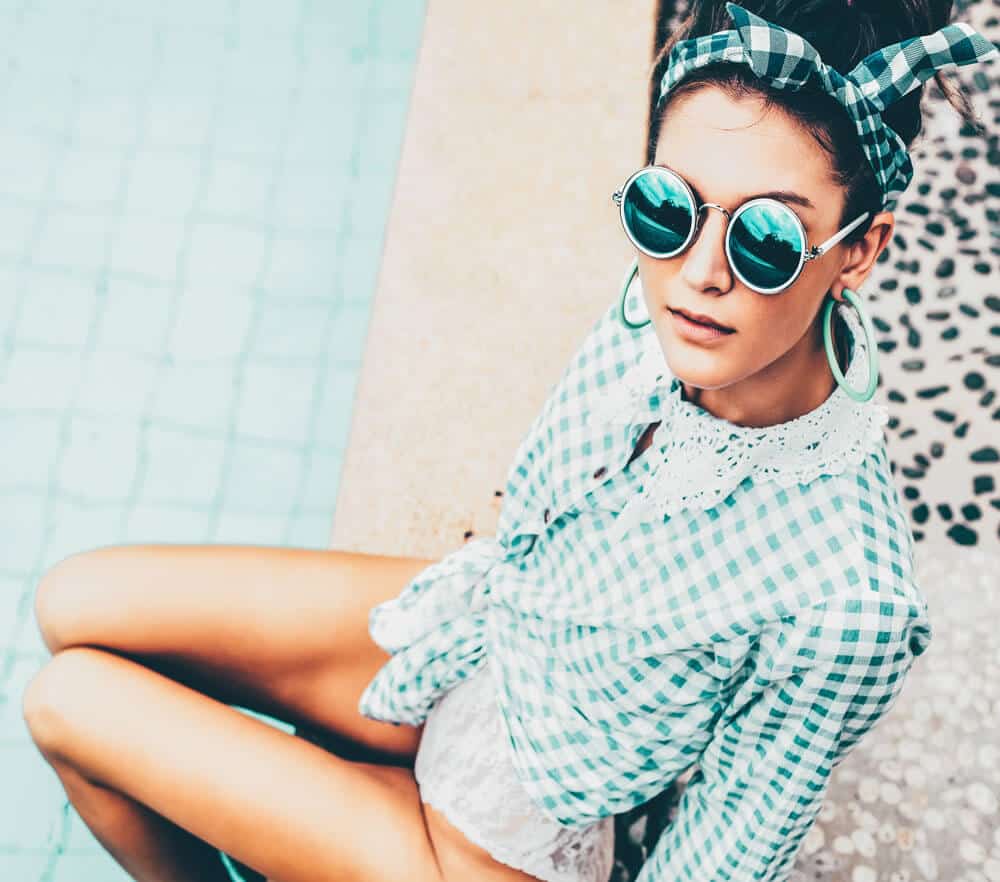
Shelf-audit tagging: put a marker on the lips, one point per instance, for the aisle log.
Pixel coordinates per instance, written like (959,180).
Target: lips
(701,319)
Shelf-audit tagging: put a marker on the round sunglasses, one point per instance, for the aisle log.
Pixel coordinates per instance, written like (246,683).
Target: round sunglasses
(766,242)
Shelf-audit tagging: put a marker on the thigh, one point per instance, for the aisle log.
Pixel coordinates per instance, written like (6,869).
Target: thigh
(275,802)
(282,631)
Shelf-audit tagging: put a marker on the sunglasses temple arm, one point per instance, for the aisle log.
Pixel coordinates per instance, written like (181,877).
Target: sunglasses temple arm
(836,237)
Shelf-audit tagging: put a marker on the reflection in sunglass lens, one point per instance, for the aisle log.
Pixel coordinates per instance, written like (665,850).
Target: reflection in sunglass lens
(766,245)
(658,212)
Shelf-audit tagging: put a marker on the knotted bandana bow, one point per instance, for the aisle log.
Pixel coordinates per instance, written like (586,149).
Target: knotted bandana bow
(788,61)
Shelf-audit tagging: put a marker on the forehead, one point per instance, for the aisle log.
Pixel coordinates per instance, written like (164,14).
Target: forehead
(728,145)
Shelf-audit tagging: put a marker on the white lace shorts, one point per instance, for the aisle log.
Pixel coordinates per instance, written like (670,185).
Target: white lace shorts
(463,769)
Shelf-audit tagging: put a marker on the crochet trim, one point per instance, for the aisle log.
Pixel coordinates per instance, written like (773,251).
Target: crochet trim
(704,457)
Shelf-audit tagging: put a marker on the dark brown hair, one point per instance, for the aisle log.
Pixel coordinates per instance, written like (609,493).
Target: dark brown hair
(843,35)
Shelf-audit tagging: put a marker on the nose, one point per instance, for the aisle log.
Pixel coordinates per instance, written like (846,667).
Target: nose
(705,267)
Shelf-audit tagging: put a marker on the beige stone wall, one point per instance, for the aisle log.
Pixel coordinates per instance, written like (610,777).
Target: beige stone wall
(502,247)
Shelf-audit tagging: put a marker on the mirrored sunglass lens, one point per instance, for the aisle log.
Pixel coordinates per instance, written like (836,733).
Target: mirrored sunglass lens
(766,245)
(658,212)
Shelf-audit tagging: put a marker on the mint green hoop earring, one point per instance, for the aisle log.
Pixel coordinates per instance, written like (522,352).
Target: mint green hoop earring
(625,320)
(852,298)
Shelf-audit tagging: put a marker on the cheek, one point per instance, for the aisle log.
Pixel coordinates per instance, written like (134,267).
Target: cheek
(653,276)
(782,318)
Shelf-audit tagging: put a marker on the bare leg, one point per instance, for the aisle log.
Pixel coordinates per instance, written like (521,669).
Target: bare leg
(279,631)
(149,847)
(279,804)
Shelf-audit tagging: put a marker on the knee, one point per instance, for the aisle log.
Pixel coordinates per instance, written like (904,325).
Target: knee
(46,702)
(60,699)
(61,598)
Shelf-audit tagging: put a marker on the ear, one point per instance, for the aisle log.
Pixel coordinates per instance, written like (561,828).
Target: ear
(861,256)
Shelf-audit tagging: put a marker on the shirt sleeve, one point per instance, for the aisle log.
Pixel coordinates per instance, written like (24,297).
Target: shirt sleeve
(433,630)
(601,357)
(763,775)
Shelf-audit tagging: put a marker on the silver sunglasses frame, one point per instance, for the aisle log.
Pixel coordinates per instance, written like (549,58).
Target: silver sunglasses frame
(808,253)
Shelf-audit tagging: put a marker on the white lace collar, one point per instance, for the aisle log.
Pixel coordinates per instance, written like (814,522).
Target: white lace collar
(704,458)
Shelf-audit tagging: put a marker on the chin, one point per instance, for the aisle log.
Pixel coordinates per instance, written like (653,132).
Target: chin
(702,370)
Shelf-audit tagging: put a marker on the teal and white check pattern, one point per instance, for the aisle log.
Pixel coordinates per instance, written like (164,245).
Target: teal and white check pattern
(788,61)
(759,637)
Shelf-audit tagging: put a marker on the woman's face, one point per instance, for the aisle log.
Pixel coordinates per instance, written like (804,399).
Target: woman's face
(773,368)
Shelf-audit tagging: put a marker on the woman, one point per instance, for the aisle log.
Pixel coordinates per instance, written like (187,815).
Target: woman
(701,556)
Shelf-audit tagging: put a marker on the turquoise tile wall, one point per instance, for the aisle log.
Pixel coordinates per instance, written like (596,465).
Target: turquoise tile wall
(192,212)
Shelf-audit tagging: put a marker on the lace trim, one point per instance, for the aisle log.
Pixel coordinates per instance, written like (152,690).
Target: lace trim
(704,458)
(581,853)
(464,770)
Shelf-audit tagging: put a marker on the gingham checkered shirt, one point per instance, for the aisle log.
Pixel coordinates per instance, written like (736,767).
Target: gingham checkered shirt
(758,635)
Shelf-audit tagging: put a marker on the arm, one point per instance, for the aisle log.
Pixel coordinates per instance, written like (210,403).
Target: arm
(763,776)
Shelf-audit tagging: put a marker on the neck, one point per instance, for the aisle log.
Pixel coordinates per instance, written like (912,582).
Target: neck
(792,385)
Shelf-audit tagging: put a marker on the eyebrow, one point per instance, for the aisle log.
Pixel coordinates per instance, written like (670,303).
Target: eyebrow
(789,197)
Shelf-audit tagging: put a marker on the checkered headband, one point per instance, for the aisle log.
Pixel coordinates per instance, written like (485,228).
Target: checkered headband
(788,61)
